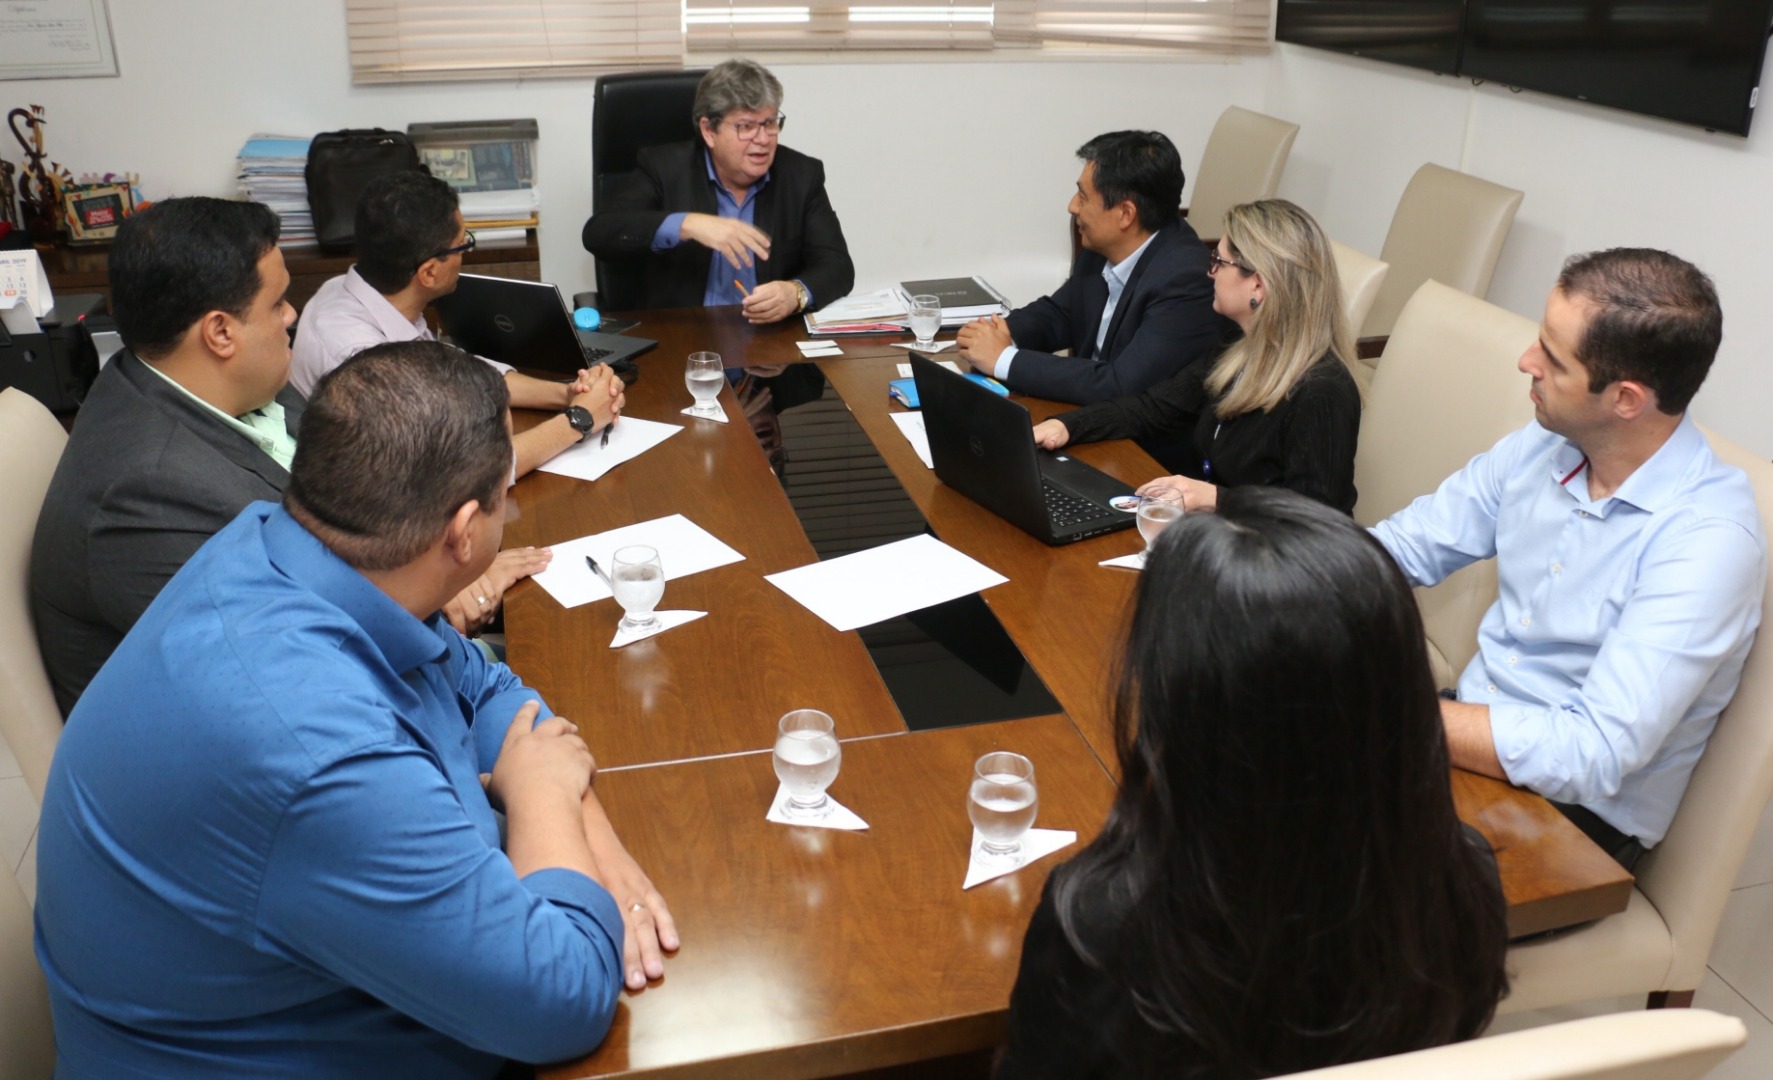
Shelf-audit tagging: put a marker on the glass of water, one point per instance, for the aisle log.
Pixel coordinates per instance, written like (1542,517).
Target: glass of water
(704,374)
(1002,805)
(807,757)
(639,580)
(926,319)
(1157,508)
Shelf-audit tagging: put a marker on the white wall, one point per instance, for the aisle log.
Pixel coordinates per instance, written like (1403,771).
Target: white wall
(1593,178)
(935,169)
(965,167)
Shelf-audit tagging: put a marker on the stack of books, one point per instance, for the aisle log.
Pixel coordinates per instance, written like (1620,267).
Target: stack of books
(963,299)
(271,173)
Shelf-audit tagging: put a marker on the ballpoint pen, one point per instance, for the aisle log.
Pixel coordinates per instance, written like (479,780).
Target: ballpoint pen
(598,570)
(603,443)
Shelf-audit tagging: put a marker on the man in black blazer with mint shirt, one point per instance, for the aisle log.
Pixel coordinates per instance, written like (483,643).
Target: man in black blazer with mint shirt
(734,205)
(180,431)
(1162,318)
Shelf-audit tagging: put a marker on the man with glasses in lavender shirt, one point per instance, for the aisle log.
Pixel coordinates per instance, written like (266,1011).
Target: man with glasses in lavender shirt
(736,218)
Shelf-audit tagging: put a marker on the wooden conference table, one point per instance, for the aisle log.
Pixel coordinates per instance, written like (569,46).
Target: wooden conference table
(813,952)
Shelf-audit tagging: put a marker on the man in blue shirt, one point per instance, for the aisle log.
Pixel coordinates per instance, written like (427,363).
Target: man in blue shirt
(268,840)
(1631,559)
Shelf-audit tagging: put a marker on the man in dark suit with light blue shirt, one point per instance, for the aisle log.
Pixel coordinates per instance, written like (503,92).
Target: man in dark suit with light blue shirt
(1139,304)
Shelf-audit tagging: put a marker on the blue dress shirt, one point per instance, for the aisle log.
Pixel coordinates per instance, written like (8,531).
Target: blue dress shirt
(721,275)
(265,849)
(1116,275)
(1622,624)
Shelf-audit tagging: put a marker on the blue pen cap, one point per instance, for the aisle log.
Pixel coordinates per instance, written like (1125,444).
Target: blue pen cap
(587,318)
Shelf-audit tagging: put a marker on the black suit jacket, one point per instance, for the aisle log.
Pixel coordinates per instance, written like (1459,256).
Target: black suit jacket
(147,476)
(806,241)
(1163,323)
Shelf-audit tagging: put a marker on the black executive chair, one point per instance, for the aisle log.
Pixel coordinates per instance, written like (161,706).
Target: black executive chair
(629,113)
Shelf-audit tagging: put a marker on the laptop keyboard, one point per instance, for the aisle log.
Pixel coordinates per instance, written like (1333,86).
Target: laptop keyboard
(1065,509)
(594,354)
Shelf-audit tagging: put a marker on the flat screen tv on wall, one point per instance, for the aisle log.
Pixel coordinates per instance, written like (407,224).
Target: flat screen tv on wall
(1418,33)
(1694,61)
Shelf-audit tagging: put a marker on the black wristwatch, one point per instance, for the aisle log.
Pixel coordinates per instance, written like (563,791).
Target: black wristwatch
(581,420)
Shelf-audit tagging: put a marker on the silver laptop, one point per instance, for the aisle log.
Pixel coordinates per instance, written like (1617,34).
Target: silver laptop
(526,324)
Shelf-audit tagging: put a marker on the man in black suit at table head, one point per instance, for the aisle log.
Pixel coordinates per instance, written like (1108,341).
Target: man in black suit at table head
(735,207)
(1139,304)
(182,429)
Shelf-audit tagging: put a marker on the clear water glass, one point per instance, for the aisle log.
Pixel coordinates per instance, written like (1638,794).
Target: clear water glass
(1157,509)
(926,319)
(704,374)
(1002,804)
(639,580)
(807,758)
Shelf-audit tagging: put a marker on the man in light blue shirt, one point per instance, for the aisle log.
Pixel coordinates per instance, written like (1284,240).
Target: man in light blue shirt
(1631,559)
(268,839)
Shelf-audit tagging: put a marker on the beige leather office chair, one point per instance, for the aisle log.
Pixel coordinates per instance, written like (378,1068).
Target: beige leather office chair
(1680,1044)
(1361,276)
(1448,227)
(1242,162)
(1659,944)
(1446,390)
(27,1041)
(29,720)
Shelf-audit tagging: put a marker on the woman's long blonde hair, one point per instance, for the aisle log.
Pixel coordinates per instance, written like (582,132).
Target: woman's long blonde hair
(1301,318)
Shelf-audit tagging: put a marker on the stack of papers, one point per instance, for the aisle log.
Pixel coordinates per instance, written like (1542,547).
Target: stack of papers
(884,310)
(485,211)
(271,173)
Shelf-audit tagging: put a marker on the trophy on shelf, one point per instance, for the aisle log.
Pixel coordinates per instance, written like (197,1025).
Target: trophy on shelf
(40,185)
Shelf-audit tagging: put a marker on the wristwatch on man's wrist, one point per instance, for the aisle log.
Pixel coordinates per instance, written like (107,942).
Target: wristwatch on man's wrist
(581,420)
(804,296)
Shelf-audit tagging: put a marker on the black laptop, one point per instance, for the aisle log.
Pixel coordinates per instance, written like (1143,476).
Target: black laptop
(526,324)
(982,445)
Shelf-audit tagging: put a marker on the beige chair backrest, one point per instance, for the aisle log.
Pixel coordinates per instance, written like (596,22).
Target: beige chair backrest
(1668,1044)
(1448,227)
(1242,162)
(1688,877)
(1361,276)
(29,719)
(1446,390)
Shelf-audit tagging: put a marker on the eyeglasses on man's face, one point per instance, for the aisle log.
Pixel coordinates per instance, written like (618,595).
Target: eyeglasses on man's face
(746,130)
(1217,262)
(460,249)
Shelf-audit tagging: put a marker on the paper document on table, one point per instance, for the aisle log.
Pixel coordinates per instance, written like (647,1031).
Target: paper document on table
(882,305)
(911,426)
(893,579)
(684,548)
(590,459)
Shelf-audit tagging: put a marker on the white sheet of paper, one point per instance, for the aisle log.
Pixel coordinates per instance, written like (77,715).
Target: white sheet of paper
(905,368)
(870,586)
(630,438)
(911,426)
(1135,561)
(819,348)
(840,817)
(1037,844)
(667,620)
(684,547)
(23,278)
(934,346)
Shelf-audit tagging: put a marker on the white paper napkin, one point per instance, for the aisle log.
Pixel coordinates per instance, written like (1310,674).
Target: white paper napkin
(1036,844)
(819,348)
(721,419)
(667,619)
(1135,561)
(840,817)
(935,347)
(905,368)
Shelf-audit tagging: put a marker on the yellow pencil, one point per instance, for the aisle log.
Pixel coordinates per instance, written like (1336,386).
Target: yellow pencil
(743,291)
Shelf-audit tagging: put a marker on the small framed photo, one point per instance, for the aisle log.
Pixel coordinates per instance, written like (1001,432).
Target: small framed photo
(93,211)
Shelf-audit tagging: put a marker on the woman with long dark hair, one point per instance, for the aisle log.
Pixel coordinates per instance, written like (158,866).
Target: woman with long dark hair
(1278,406)
(1282,883)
